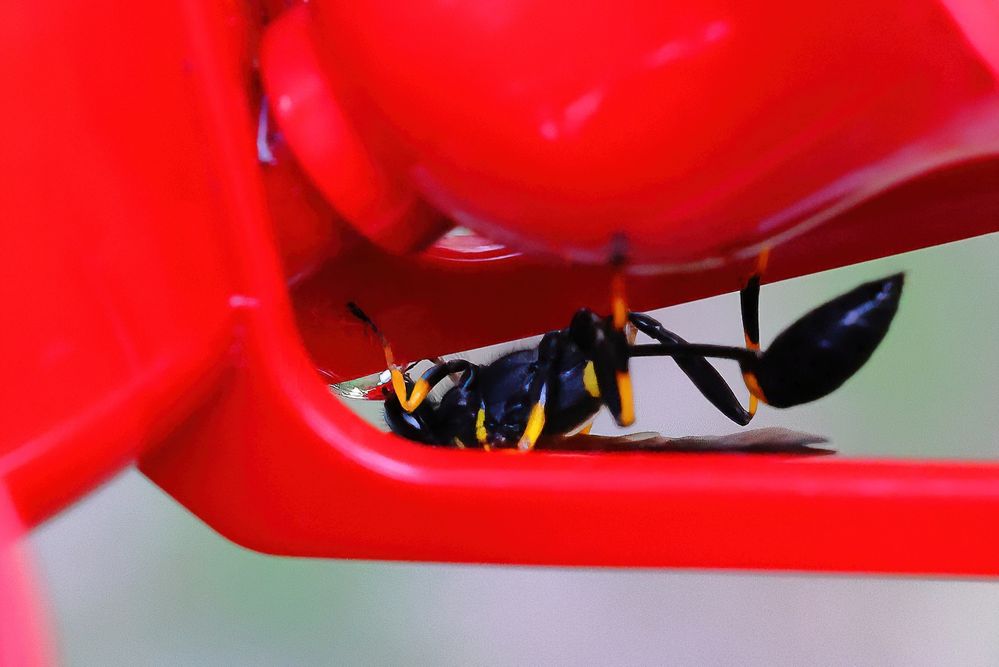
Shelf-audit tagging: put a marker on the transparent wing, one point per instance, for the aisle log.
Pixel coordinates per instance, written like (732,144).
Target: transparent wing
(772,440)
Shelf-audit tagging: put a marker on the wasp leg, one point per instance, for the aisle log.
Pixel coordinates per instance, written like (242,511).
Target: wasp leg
(704,376)
(549,355)
(455,377)
(815,355)
(436,374)
(749,304)
(605,343)
(619,320)
(749,300)
(466,384)
(607,350)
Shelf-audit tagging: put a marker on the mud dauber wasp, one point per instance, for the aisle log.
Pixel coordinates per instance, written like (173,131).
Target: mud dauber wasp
(556,388)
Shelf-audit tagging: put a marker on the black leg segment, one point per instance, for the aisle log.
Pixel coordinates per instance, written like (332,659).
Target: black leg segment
(704,376)
(544,379)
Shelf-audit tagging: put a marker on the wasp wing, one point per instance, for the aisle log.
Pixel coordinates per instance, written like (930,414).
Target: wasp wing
(772,440)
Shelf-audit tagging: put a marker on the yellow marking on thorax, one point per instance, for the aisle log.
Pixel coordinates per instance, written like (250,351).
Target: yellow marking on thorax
(590,380)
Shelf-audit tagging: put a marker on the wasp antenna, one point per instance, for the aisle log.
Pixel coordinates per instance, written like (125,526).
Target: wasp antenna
(356,311)
(398,373)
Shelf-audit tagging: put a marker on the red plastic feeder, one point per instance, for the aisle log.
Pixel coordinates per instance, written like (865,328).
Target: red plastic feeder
(150,251)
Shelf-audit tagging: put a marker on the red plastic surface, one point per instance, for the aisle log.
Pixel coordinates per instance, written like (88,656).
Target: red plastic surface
(696,129)
(150,320)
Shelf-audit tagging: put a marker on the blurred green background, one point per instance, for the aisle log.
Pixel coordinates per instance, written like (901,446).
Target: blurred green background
(131,578)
